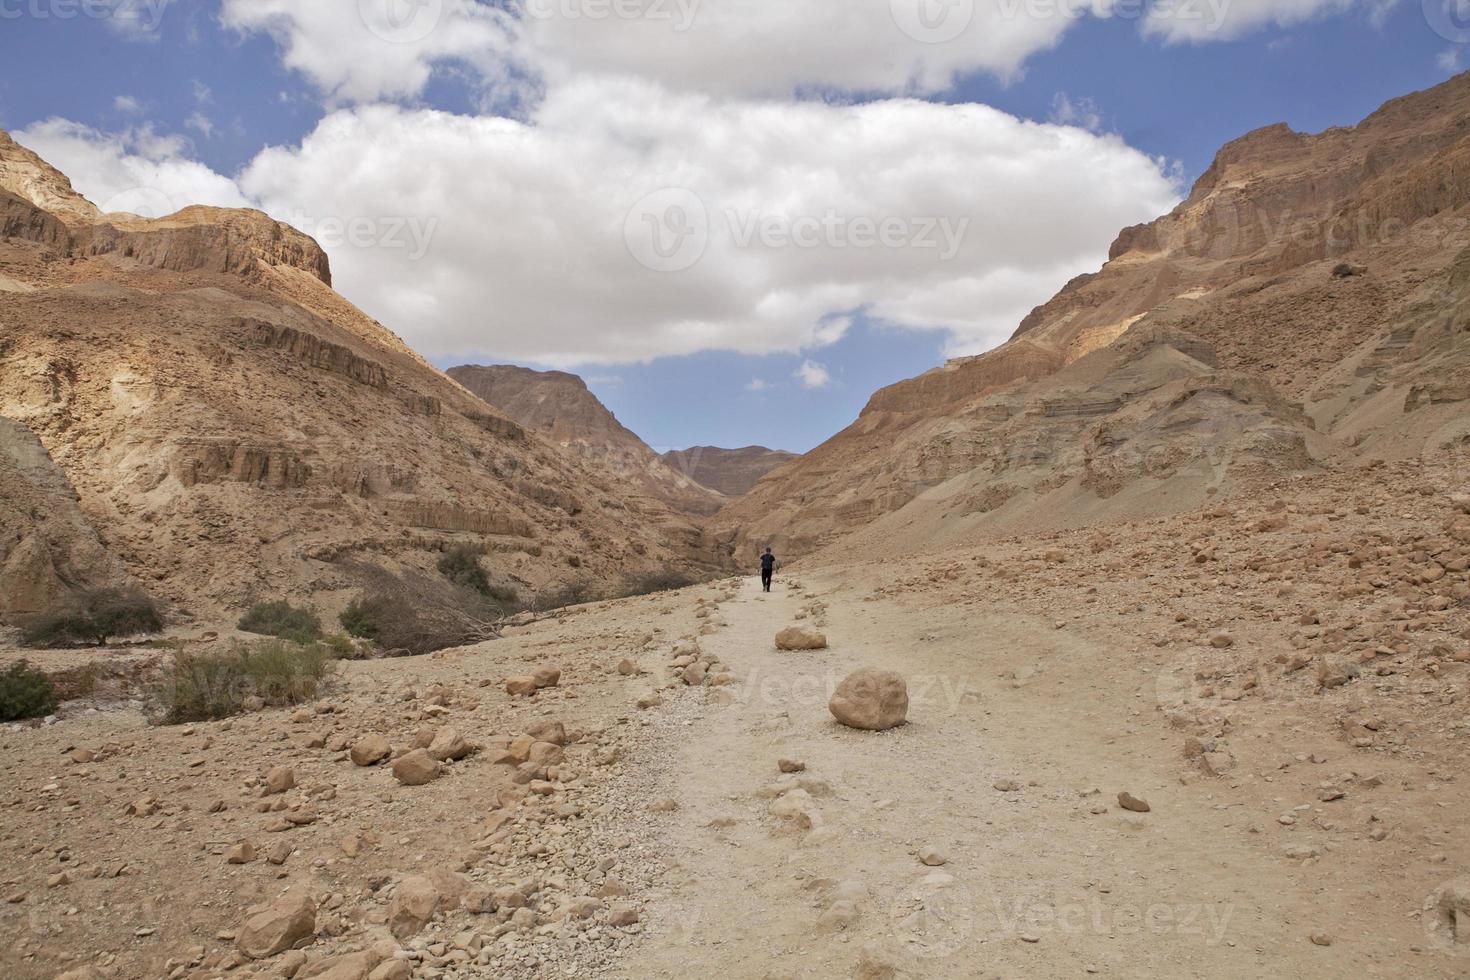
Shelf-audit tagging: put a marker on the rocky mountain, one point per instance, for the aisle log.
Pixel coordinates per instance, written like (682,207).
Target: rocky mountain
(730,471)
(559,406)
(1304,308)
(209,415)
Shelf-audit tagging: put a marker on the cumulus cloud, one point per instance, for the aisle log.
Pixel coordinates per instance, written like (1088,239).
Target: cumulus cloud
(137,171)
(623,223)
(362,50)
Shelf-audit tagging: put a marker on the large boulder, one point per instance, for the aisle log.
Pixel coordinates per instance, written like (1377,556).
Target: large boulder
(871,700)
(286,923)
(796,638)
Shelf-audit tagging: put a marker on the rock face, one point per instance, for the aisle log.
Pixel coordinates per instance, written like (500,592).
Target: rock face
(730,471)
(196,380)
(47,545)
(560,407)
(1303,307)
(871,700)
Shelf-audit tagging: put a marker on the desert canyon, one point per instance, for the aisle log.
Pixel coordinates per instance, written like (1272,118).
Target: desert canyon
(1177,581)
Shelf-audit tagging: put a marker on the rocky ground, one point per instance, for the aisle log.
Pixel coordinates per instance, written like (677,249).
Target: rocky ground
(1227,744)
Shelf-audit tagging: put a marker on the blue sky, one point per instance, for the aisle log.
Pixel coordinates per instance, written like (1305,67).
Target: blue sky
(214,96)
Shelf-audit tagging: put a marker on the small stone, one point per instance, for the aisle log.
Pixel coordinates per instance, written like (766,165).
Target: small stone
(416,768)
(790,765)
(273,928)
(241,853)
(370,750)
(1130,802)
(622,915)
(933,858)
(279,780)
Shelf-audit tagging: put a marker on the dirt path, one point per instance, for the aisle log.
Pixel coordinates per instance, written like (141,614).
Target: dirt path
(1036,882)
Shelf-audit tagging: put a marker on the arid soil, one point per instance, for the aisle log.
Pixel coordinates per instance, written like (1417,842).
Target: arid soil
(1279,680)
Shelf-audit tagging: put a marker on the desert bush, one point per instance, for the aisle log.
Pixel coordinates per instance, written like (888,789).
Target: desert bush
(562,596)
(461,565)
(417,614)
(667,580)
(365,614)
(283,621)
(25,692)
(93,616)
(211,686)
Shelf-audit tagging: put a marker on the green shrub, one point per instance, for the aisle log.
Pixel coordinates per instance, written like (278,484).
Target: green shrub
(25,692)
(365,614)
(283,621)
(662,581)
(93,616)
(211,686)
(461,565)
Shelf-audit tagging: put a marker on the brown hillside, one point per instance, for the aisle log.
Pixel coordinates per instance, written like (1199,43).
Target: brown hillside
(234,429)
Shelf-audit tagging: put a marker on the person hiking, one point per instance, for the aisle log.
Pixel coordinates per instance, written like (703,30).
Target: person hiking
(768,568)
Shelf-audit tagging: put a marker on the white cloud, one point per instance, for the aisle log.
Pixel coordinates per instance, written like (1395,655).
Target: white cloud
(126,103)
(532,228)
(1200,21)
(757,384)
(1449,60)
(361,50)
(136,171)
(521,240)
(813,375)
